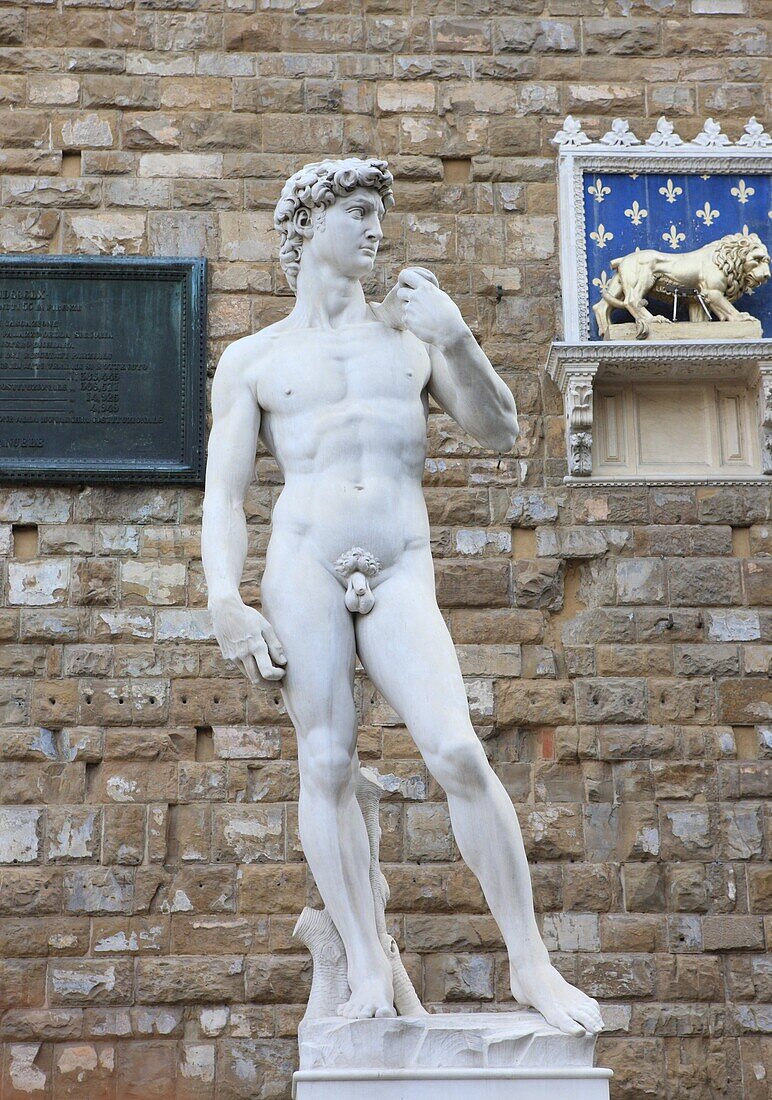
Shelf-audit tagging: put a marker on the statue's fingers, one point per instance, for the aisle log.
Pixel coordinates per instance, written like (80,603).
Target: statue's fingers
(411,278)
(275,648)
(247,666)
(403,294)
(268,670)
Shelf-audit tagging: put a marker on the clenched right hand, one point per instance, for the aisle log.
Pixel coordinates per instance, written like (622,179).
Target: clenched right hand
(246,637)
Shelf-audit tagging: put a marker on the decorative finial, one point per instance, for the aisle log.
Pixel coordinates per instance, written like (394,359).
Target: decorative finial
(664,135)
(755,136)
(571,135)
(620,134)
(711,136)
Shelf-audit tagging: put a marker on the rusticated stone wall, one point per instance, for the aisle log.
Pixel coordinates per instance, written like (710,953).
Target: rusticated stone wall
(616,644)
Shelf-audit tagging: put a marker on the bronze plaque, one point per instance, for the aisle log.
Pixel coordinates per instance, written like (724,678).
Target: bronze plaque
(102,369)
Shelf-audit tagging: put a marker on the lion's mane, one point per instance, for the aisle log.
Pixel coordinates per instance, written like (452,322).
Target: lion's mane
(320,184)
(730,257)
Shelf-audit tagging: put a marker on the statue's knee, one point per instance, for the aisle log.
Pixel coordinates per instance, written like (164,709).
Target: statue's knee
(460,765)
(326,766)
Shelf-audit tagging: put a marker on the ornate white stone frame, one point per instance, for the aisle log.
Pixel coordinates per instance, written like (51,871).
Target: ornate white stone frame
(576,159)
(574,367)
(574,362)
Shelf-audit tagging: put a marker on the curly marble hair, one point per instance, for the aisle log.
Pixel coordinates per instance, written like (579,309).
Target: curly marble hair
(321,184)
(731,257)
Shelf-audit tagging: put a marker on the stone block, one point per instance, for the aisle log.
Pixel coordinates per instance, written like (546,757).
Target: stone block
(553,832)
(687,833)
(459,977)
(532,703)
(571,932)
(249,1068)
(22,983)
(611,700)
(643,887)
(539,584)
(20,834)
(278,979)
(124,835)
(190,980)
(105,233)
(733,933)
(757,578)
(135,936)
(192,889)
(248,834)
(428,833)
(744,702)
(484,584)
(148,1068)
(619,975)
(98,890)
(267,889)
(706,582)
(640,581)
(74,833)
(90,981)
(38,583)
(220,934)
(29,891)
(591,887)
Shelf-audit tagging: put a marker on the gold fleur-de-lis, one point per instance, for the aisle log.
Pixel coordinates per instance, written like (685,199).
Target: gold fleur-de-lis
(598,191)
(602,237)
(707,214)
(636,213)
(742,192)
(671,192)
(602,281)
(673,237)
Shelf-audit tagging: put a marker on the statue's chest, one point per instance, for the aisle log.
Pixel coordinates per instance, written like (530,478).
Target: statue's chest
(355,365)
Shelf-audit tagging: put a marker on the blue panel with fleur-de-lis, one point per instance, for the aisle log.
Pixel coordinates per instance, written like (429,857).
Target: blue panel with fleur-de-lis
(672,213)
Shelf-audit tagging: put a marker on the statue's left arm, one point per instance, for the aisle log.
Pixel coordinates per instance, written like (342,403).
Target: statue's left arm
(462,381)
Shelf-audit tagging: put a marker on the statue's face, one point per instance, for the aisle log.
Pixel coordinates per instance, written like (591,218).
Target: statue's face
(346,235)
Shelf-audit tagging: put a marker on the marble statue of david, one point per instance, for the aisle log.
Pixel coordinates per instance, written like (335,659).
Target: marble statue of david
(338,391)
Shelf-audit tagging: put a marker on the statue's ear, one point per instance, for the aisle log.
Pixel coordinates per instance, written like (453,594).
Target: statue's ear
(301,223)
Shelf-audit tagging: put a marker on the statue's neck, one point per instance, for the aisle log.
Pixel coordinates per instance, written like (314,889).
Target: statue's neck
(326,299)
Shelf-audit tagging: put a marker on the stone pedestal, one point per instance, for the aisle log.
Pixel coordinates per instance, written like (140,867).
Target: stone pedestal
(449,1056)
(691,330)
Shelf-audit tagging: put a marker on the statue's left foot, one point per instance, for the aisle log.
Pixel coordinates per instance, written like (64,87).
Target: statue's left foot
(561,1004)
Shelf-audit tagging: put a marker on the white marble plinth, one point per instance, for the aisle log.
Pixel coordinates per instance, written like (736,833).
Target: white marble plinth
(449,1056)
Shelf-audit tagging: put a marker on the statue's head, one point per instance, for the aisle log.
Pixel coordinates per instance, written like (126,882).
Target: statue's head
(332,211)
(756,264)
(744,260)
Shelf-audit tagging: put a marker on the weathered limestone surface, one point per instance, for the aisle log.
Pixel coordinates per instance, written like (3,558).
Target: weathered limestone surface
(617,644)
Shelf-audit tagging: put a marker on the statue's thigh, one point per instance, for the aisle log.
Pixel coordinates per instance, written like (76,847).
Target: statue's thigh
(408,653)
(306,608)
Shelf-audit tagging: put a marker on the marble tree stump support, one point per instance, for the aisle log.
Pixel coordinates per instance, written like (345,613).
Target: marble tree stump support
(338,391)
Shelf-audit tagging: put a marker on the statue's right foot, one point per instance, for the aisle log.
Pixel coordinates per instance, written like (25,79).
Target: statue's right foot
(373,996)
(561,1004)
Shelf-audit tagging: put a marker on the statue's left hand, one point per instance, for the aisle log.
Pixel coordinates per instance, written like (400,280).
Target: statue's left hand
(429,312)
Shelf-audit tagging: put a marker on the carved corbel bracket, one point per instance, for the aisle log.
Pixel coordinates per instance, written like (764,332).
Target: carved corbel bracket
(578,405)
(765,416)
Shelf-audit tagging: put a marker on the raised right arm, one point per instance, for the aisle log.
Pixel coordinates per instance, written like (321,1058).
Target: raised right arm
(243,633)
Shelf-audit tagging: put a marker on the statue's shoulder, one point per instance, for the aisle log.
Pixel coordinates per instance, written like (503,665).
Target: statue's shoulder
(246,355)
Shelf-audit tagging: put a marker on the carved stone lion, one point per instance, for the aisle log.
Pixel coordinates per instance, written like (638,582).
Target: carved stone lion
(710,279)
